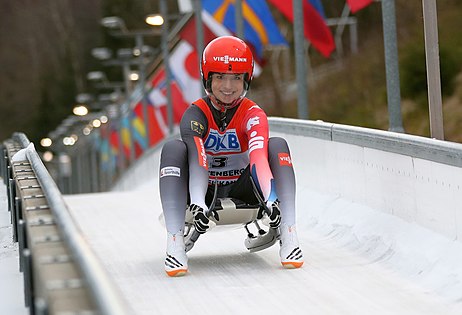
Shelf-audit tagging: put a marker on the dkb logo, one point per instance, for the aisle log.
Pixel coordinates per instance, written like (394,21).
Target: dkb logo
(227,142)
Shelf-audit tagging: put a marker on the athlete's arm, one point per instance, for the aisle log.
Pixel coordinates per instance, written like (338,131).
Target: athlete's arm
(193,127)
(256,126)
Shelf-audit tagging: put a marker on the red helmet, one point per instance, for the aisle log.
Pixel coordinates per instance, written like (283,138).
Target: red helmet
(226,54)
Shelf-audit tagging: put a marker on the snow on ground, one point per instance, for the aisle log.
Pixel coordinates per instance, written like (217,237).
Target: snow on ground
(11,283)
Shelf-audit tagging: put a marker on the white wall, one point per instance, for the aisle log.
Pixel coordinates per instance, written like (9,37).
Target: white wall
(417,190)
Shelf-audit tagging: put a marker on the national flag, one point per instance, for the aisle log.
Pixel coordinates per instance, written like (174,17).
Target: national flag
(356,5)
(104,149)
(185,88)
(115,152)
(158,96)
(126,136)
(114,141)
(316,29)
(156,133)
(104,154)
(185,70)
(184,84)
(140,140)
(260,29)
(182,61)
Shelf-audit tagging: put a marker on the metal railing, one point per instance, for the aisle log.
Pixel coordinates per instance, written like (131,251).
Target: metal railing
(61,273)
(439,151)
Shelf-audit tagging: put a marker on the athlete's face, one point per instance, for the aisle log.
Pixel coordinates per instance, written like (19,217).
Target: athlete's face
(227,87)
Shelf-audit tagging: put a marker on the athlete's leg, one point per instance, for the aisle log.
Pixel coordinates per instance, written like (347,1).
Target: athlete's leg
(173,184)
(281,166)
(283,172)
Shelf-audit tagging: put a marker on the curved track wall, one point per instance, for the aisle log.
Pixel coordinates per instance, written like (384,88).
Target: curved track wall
(414,178)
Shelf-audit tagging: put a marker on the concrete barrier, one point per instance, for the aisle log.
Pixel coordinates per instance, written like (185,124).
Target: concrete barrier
(414,178)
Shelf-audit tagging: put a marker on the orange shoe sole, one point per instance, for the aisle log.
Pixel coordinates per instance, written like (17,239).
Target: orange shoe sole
(177,273)
(292,264)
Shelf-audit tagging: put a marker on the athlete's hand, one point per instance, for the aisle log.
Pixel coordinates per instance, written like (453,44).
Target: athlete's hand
(274,215)
(201,222)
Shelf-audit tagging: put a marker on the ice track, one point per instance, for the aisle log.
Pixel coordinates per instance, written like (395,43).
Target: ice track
(124,231)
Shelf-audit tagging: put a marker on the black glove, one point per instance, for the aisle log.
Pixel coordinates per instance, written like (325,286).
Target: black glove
(201,222)
(274,215)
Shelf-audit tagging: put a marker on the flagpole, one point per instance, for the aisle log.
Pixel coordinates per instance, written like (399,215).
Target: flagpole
(239,20)
(433,69)
(391,66)
(199,35)
(142,82)
(165,55)
(300,66)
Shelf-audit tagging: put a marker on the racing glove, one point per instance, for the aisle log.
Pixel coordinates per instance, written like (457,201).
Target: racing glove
(274,214)
(201,222)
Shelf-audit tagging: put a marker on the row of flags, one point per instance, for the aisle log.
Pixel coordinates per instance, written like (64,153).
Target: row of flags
(260,29)
(129,138)
(316,29)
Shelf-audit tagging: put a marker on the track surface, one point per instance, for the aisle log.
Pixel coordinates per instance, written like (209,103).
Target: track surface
(123,228)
